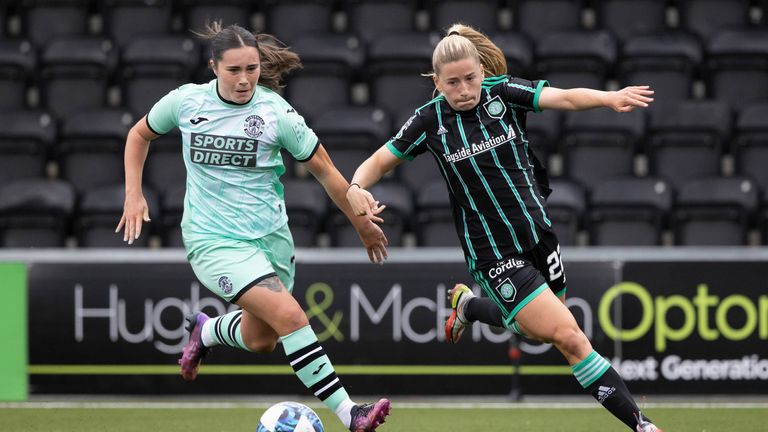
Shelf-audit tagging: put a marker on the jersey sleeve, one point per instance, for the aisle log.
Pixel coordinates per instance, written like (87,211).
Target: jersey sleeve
(523,93)
(294,135)
(410,140)
(164,114)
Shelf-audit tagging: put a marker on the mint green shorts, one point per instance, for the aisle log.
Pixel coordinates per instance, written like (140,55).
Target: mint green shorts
(229,267)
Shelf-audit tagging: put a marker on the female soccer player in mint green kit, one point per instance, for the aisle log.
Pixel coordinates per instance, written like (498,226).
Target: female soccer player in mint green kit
(234,226)
(475,130)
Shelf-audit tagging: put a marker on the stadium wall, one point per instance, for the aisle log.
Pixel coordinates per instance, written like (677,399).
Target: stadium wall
(674,321)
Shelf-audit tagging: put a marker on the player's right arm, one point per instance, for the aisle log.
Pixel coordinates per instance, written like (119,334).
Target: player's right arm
(135,209)
(366,175)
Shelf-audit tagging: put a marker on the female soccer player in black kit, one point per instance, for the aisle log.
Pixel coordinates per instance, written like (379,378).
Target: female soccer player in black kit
(475,130)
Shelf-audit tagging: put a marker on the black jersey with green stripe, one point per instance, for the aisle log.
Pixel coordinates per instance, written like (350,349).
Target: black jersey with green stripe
(491,174)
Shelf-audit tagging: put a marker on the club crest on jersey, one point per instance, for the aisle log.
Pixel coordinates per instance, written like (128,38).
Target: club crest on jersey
(253,126)
(495,107)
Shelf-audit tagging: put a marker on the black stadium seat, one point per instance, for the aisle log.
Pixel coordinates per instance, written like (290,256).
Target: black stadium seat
(98,213)
(18,61)
(90,148)
(76,74)
(686,140)
(667,62)
(565,209)
(576,59)
(601,144)
(25,141)
(35,213)
(629,212)
(715,211)
(627,18)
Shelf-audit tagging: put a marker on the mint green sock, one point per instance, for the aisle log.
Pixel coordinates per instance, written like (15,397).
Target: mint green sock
(224,330)
(313,367)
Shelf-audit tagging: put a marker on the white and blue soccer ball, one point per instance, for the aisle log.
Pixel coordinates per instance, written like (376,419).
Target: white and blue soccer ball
(289,417)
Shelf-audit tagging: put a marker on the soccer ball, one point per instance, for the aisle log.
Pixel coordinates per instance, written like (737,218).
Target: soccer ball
(289,417)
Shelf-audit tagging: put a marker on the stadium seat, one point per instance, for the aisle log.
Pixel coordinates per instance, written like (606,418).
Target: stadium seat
(18,61)
(715,211)
(434,225)
(347,160)
(518,50)
(629,212)
(314,94)
(704,18)
(543,135)
(576,59)
(601,144)
(290,20)
(76,74)
(353,127)
(338,54)
(35,213)
(153,66)
(737,66)
(539,18)
(627,18)
(666,62)
(565,209)
(165,167)
(126,20)
(481,15)
(90,148)
(750,143)
(44,21)
(394,68)
(306,204)
(686,140)
(98,213)
(419,172)
(171,212)
(198,13)
(25,140)
(371,19)
(397,216)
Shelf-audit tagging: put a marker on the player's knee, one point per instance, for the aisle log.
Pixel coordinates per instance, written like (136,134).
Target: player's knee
(264,345)
(292,318)
(570,339)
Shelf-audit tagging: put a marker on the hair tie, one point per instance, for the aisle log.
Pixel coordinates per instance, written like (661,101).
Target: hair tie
(454,32)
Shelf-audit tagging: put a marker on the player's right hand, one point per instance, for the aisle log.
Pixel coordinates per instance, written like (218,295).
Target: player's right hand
(135,212)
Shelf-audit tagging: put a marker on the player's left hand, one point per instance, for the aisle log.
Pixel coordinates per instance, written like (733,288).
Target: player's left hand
(374,241)
(629,98)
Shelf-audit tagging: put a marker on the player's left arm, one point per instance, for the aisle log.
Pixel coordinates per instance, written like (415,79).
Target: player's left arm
(373,238)
(577,99)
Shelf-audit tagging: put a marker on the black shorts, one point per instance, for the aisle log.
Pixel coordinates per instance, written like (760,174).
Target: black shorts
(516,280)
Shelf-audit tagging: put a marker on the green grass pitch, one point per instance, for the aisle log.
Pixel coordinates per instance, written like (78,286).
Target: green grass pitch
(402,419)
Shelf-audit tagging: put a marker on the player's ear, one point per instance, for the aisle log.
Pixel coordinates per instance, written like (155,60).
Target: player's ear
(213,68)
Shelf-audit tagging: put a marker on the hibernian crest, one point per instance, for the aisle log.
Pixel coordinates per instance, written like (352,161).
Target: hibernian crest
(253,126)
(495,107)
(507,290)
(225,284)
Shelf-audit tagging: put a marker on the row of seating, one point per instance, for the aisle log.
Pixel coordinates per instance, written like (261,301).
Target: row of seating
(677,142)
(122,20)
(622,211)
(72,74)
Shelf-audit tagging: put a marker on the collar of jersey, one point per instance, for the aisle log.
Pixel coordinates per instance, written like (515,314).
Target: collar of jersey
(230,103)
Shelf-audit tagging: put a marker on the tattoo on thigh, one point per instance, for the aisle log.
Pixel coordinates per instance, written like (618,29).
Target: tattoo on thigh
(273,283)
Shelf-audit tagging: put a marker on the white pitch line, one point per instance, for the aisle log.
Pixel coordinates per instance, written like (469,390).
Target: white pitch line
(398,405)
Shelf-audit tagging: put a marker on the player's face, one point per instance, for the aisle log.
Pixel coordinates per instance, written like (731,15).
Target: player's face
(459,82)
(238,72)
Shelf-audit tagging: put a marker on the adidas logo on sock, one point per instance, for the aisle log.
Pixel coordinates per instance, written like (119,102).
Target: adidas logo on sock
(603,392)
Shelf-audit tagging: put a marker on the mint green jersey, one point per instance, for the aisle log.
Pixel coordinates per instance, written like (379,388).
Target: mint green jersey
(232,157)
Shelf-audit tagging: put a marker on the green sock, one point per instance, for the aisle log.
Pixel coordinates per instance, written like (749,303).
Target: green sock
(313,367)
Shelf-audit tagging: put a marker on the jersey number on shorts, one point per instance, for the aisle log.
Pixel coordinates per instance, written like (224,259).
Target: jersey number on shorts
(555,265)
